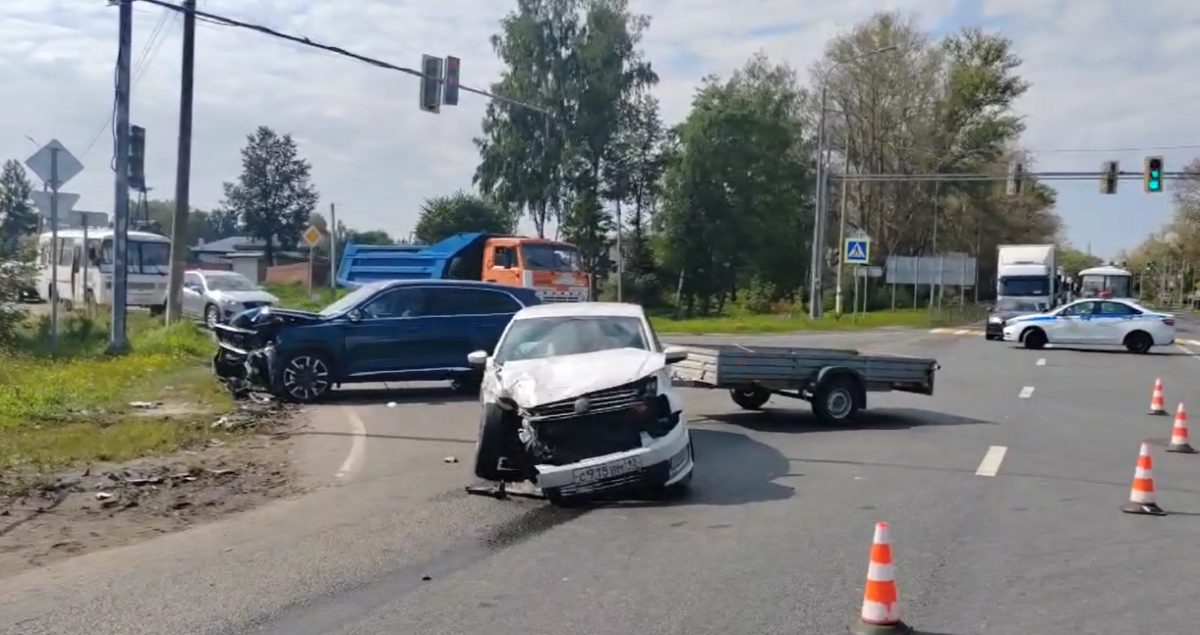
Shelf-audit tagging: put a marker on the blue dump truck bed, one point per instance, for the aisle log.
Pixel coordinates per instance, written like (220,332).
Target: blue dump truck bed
(459,256)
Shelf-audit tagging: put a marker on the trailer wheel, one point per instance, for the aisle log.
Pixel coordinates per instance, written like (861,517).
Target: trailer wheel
(837,400)
(750,398)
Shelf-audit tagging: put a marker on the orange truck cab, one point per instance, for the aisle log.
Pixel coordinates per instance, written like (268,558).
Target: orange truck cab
(551,268)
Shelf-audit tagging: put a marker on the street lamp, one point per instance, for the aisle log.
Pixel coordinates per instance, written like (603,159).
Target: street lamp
(818,252)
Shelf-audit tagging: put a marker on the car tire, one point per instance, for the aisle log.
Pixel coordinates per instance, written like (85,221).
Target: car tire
(836,400)
(496,436)
(305,377)
(1035,339)
(212,316)
(1139,342)
(750,398)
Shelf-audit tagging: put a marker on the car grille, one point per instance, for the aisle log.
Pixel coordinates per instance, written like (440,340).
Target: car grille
(599,402)
(591,435)
(255,305)
(235,339)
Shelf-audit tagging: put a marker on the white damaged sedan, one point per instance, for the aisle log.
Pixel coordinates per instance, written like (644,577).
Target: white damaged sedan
(577,400)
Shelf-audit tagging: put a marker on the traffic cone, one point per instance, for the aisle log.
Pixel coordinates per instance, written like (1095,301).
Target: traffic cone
(1158,405)
(1179,434)
(880,606)
(1141,496)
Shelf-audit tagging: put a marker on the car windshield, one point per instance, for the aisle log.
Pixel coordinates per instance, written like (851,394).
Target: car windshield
(230,282)
(550,257)
(1025,285)
(1019,306)
(1094,286)
(537,338)
(352,299)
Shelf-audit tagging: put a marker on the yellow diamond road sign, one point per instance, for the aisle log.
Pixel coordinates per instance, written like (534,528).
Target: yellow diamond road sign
(313,236)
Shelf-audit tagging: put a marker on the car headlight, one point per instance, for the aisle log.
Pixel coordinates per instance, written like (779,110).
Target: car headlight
(650,387)
(996,320)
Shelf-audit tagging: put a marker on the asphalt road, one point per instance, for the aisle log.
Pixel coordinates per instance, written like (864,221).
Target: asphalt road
(774,540)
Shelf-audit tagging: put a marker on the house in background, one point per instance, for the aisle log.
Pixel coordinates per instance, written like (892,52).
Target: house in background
(246,255)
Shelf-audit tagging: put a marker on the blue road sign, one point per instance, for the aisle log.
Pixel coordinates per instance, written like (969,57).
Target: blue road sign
(857,251)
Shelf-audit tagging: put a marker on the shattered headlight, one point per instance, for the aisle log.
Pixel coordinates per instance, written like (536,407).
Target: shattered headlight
(996,319)
(650,387)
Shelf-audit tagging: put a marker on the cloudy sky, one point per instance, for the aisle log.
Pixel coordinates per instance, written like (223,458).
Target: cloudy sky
(1111,80)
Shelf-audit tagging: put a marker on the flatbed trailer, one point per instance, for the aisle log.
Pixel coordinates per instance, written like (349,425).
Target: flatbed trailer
(834,381)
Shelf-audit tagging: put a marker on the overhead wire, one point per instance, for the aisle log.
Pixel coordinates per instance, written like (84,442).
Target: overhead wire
(153,44)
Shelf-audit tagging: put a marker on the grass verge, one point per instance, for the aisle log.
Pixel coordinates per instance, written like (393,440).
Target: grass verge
(912,318)
(79,408)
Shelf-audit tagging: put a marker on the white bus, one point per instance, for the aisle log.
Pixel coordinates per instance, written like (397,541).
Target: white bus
(1105,282)
(85,272)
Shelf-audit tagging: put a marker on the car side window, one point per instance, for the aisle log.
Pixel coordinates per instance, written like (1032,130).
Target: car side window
(459,301)
(192,281)
(395,303)
(1083,308)
(1117,309)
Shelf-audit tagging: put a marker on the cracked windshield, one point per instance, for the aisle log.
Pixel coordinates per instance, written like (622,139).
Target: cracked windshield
(599,316)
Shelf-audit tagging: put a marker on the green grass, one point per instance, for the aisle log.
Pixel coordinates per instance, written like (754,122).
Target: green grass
(75,409)
(296,296)
(912,318)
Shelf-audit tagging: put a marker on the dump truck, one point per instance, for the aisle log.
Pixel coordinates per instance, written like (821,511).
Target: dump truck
(553,269)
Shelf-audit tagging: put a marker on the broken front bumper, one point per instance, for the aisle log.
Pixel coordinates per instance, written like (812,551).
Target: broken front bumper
(659,462)
(239,365)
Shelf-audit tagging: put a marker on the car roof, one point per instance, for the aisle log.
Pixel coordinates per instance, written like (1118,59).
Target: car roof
(464,284)
(581,309)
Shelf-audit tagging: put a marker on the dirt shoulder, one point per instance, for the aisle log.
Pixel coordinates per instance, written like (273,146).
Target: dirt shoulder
(104,505)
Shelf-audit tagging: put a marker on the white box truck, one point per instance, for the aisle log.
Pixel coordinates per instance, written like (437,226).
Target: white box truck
(1028,272)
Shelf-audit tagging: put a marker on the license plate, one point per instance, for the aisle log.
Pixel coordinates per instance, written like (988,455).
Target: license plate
(589,475)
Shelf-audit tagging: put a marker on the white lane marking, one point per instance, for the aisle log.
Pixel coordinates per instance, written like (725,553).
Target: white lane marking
(1026,392)
(358,444)
(1041,362)
(1185,349)
(962,331)
(990,464)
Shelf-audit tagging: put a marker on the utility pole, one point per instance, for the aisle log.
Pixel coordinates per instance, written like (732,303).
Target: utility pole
(118,341)
(333,246)
(183,165)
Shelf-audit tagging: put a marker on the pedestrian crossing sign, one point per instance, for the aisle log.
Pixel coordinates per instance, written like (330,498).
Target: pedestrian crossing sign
(857,251)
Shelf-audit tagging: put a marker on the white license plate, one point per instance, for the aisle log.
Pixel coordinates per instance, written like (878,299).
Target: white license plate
(589,475)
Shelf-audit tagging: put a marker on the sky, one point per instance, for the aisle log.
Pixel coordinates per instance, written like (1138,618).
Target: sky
(1111,81)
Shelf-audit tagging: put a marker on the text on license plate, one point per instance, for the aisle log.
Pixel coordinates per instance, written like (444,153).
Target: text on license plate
(587,475)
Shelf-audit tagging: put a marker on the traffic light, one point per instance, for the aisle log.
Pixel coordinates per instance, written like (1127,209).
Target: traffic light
(431,84)
(450,92)
(137,158)
(1110,173)
(1154,174)
(1016,176)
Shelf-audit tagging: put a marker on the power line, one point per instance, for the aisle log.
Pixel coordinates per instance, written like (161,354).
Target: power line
(219,19)
(139,68)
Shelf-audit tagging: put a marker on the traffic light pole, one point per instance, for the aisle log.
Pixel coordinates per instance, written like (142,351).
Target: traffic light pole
(183,166)
(118,341)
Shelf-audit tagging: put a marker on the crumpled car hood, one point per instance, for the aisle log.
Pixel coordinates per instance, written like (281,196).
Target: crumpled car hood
(531,383)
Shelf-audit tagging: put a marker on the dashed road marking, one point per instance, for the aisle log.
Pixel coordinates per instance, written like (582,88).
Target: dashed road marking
(1041,362)
(1026,392)
(945,331)
(1180,343)
(990,464)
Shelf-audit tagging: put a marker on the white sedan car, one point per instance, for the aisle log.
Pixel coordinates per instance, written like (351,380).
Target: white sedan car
(1094,322)
(577,400)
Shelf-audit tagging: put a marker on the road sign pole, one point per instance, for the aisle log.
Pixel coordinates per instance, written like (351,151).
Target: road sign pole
(54,252)
(118,341)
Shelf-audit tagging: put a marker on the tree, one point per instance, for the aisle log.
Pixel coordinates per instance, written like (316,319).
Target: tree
(18,217)
(444,216)
(737,187)
(273,198)
(1073,260)
(201,226)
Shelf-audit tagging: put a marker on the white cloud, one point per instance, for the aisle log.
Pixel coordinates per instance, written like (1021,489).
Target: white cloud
(1105,75)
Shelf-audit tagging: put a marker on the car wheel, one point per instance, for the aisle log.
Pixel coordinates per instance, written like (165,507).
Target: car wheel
(306,377)
(1035,339)
(750,398)
(211,316)
(1138,342)
(836,400)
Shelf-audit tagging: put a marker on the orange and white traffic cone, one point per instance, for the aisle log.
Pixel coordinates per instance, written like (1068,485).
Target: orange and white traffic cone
(1179,434)
(880,606)
(1141,496)
(1158,404)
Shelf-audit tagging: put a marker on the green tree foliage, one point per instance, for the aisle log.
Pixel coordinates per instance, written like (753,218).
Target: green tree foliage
(18,216)
(444,216)
(273,198)
(160,214)
(1073,260)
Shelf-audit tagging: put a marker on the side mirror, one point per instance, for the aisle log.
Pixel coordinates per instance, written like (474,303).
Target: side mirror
(675,354)
(477,359)
(354,315)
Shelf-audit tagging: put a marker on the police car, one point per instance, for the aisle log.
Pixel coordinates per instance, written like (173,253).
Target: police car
(1094,322)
